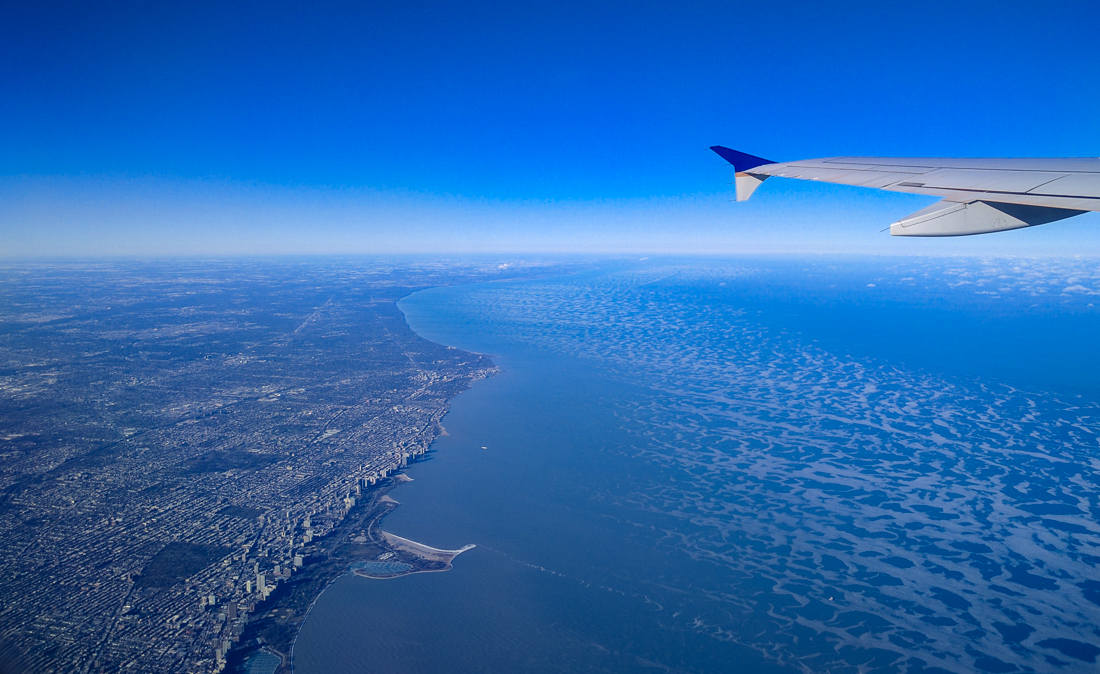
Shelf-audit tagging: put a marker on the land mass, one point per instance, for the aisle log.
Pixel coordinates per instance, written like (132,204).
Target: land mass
(191,452)
(357,545)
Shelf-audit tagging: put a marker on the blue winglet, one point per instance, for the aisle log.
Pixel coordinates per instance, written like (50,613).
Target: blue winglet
(740,160)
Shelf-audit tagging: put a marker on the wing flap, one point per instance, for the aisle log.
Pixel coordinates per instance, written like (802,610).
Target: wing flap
(1014,182)
(1075,184)
(872,178)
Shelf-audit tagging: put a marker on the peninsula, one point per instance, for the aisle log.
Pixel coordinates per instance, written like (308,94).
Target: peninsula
(356,545)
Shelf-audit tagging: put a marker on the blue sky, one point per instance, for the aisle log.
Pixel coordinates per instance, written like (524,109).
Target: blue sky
(436,127)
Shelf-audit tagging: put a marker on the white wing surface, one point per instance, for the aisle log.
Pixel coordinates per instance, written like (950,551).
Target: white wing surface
(979,195)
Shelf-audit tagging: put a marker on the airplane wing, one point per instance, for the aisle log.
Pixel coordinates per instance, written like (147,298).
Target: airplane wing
(979,195)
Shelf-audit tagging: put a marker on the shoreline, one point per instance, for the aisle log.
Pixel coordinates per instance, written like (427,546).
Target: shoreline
(435,554)
(266,631)
(357,572)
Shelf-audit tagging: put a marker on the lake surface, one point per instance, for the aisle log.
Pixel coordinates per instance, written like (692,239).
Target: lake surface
(752,465)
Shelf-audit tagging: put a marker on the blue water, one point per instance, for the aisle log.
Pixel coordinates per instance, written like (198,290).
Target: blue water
(380,568)
(263,663)
(752,465)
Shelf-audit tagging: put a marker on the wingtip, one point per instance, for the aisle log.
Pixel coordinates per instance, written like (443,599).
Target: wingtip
(741,161)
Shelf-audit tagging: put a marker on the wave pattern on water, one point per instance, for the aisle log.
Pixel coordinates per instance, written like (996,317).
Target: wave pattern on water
(877,518)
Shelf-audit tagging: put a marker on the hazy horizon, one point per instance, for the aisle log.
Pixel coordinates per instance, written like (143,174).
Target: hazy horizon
(444,128)
(46,217)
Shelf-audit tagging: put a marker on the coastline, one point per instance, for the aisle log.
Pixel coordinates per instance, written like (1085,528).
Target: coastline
(345,550)
(426,551)
(398,542)
(341,550)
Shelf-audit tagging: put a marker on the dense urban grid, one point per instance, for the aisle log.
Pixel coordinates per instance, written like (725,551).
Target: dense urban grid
(177,440)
